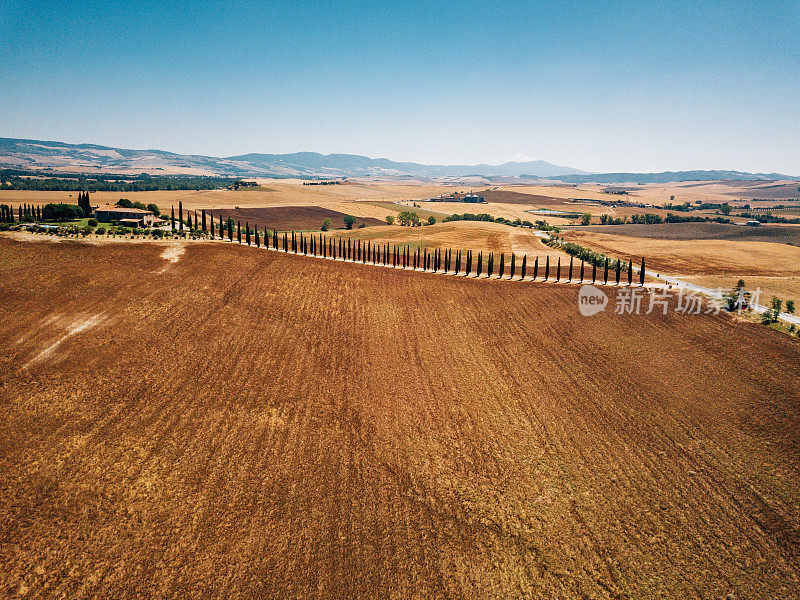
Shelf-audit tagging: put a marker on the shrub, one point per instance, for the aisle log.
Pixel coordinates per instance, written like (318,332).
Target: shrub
(100,231)
(431,220)
(326,224)
(586,219)
(349,221)
(390,219)
(92,222)
(362,225)
(790,307)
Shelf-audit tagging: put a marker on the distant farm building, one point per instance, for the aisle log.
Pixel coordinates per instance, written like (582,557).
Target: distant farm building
(471,198)
(129,217)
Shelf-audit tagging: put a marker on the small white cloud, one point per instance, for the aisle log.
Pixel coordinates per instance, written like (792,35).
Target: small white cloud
(522,157)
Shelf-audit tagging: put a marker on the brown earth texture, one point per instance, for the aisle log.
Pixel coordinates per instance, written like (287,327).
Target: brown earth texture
(208,420)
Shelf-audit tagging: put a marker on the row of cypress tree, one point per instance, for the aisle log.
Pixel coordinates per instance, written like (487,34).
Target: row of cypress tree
(25,212)
(405,257)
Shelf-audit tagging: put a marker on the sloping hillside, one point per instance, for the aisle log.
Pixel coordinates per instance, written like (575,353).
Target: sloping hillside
(210,420)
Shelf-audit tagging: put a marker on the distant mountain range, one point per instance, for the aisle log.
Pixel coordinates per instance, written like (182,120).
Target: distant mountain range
(90,158)
(39,155)
(670,176)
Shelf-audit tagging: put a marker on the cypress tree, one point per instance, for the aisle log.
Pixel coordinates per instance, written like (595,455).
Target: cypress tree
(536,268)
(605,272)
(630,271)
(594,271)
(524,266)
(204,221)
(180,215)
(480,264)
(513,266)
(547,268)
(247,232)
(20,213)
(502,264)
(490,265)
(468,267)
(570,268)
(230,229)
(581,268)
(258,240)
(239,231)
(458,262)
(641,273)
(285,241)
(304,241)
(221,230)
(275,239)
(38,213)
(558,270)
(618,271)
(172,219)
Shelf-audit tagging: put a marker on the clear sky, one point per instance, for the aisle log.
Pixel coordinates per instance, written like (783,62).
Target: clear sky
(601,86)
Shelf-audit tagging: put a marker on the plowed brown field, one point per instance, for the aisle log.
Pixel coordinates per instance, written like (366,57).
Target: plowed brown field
(285,218)
(227,422)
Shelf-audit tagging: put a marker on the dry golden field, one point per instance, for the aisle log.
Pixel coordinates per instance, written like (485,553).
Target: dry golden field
(198,420)
(697,257)
(459,235)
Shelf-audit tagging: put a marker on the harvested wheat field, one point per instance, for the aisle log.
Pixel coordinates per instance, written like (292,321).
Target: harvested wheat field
(700,257)
(242,423)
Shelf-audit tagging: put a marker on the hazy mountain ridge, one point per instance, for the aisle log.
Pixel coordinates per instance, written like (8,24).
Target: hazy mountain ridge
(672,176)
(61,156)
(37,154)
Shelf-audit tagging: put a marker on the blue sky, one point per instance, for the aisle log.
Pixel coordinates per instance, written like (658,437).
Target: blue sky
(602,86)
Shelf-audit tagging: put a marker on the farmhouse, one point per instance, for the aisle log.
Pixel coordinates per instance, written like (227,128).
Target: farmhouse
(132,217)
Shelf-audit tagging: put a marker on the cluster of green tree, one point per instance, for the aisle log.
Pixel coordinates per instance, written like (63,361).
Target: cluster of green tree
(152,207)
(609,220)
(769,218)
(541,225)
(647,219)
(62,212)
(685,207)
(14,180)
(408,218)
(681,219)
